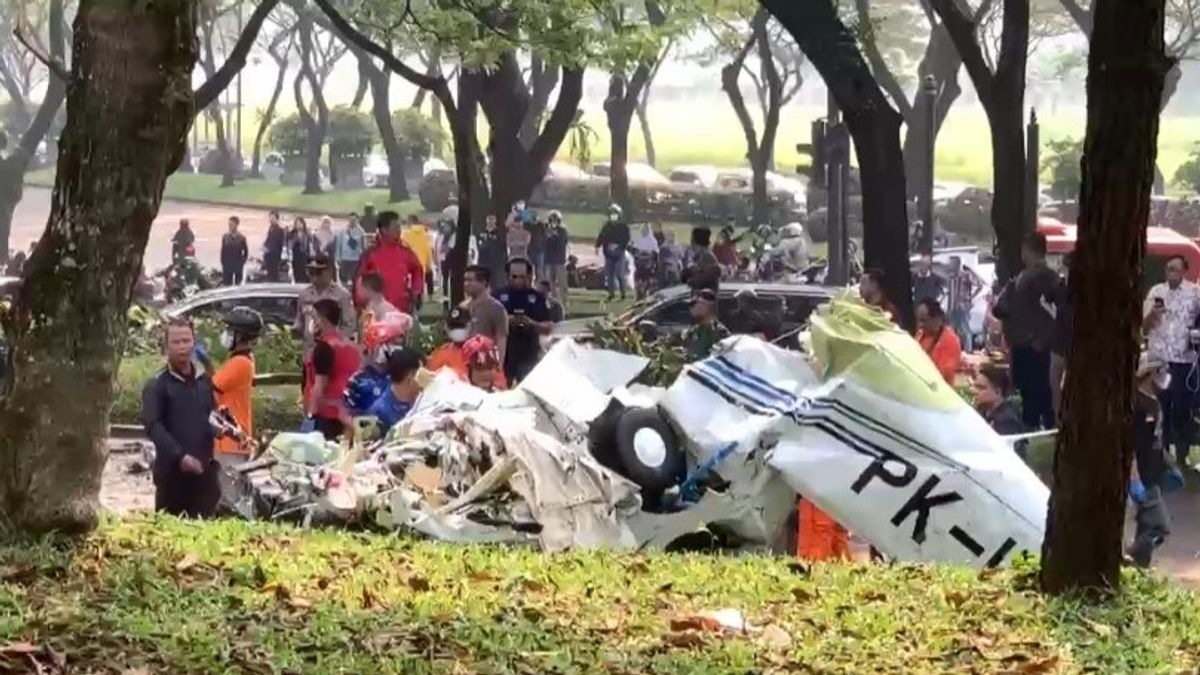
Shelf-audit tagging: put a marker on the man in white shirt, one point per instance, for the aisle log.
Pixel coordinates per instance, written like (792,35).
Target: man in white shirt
(1170,313)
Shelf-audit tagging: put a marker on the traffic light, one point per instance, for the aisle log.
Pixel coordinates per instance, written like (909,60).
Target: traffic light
(819,151)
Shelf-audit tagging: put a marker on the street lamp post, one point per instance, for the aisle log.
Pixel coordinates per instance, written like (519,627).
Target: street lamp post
(929,89)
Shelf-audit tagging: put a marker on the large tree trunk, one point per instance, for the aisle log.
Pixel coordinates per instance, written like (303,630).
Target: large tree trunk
(315,128)
(515,169)
(874,126)
(1002,95)
(128,114)
(619,109)
(381,111)
(214,111)
(1126,68)
(543,78)
(264,124)
(1008,183)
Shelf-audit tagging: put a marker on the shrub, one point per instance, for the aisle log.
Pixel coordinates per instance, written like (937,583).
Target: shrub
(288,136)
(417,133)
(351,133)
(1062,160)
(1188,173)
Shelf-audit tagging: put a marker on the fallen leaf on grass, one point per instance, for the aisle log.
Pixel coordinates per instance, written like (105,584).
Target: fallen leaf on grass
(532,586)
(419,584)
(20,576)
(690,640)
(1039,667)
(638,567)
(722,620)
(19,649)
(776,637)
(189,561)
(803,595)
(483,577)
(1101,629)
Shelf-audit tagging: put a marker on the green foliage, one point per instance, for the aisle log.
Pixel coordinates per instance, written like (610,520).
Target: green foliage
(667,358)
(157,594)
(1062,159)
(417,133)
(288,135)
(352,133)
(1188,173)
(581,139)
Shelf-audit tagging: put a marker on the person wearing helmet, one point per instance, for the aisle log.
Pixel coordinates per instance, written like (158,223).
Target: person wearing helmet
(365,387)
(793,246)
(483,364)
(234,380)
(403,389)
(556,252)
(613,241)
(453,354)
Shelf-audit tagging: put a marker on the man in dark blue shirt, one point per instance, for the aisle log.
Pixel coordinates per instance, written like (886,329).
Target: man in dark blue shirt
(395,403)
(528,319)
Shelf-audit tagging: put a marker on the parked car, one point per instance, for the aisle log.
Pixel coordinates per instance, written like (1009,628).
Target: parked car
(741,179)
(702,176)
(636,171)
(277,302)
(376,173)
(668,312)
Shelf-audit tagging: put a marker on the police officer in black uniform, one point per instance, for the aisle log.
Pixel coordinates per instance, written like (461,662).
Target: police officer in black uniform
(528,319)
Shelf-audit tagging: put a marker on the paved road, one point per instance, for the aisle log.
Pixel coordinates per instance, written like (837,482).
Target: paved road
(208,222)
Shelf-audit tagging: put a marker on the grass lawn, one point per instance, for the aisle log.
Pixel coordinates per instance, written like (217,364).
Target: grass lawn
(152,594)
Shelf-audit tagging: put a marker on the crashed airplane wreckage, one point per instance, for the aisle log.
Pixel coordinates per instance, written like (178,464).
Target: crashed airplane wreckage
(576,456)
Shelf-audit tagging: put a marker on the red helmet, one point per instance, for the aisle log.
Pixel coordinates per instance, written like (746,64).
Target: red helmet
(386,330)
(480,350)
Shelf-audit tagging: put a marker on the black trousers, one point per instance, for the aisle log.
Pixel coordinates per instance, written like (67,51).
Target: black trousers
(1176,400)
(1031,376)
(188,496)
(232,276)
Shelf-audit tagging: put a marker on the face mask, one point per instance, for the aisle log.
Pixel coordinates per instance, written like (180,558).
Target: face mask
(458,335)
(612,218)
(227,340)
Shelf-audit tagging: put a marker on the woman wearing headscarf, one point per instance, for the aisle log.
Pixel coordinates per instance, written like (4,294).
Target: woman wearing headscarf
(645,260)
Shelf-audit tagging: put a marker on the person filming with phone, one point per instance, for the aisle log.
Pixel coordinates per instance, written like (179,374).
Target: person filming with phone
(528,319)
(1171,310)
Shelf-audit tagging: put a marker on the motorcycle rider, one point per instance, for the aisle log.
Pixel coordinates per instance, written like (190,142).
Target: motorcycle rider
(233,382)
(793,247)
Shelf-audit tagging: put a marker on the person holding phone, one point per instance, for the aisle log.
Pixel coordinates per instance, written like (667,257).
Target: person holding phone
(528,319)
(1171,309)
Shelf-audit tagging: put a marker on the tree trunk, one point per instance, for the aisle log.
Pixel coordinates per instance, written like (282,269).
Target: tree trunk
(543,78)
(874,126)
(515,170)
(647,137)
(381,111)
(128,113)
(760,205)
(1126,69)
(12,188)
(619,108)
(214,111)
(1008,183)
(264,124)
(315,128)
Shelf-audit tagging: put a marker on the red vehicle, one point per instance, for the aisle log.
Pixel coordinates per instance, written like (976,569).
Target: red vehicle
(1161,244)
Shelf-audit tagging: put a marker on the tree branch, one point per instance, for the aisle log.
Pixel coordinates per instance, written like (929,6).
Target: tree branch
(56,90)
(729,82)
(394,64)
(55,66)
(1082,16)
(887,79)
(550,139)
(213,86)
(963,31)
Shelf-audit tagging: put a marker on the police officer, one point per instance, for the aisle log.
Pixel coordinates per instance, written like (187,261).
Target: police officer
(528,319)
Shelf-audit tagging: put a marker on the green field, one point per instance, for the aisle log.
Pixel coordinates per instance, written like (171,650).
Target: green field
(152,594)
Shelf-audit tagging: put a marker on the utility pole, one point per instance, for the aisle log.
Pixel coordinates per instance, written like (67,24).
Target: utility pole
(929,89)
(1032,162)
(837,156)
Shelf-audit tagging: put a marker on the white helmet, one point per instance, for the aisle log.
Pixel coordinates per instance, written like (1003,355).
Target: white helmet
(615,208)
(791,231)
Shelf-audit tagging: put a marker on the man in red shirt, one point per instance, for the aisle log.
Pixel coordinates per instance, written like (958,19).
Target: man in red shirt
(327,371)
(395,263)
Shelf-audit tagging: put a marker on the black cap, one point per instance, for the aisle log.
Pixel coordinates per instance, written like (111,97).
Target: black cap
(320,261)
(704,295)
(458,317)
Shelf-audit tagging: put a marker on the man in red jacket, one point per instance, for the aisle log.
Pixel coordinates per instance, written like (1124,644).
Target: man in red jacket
(395,263)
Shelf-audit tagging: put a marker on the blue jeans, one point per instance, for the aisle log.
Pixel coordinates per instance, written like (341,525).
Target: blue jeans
(614,276)
(960,321)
